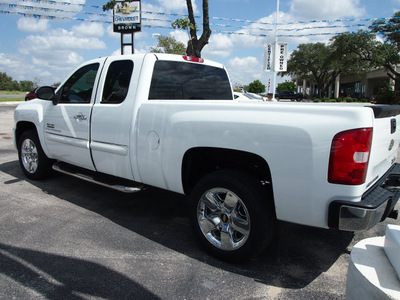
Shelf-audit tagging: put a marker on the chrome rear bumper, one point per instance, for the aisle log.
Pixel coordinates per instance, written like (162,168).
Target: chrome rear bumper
(376,204)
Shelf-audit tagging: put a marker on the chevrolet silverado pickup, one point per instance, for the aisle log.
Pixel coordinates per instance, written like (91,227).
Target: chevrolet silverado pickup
(171,122)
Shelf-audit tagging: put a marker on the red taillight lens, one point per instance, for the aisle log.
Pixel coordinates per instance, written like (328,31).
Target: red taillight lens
(349,158)
(193,59)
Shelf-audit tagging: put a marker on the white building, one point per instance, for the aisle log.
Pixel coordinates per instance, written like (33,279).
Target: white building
(354,86)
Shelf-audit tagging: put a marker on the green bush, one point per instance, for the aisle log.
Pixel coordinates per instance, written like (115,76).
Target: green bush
(387,96)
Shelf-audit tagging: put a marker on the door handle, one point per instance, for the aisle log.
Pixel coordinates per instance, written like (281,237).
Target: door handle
(80,117)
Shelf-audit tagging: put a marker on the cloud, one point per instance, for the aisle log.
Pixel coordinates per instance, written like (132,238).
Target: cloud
(58,51)
(220,45)
(179,35)
(87,29)
(10,62)
(32,25)
(59,39)
(322,9)
(244,70)
(110,32)
(19,69)
(46,8)
(69,60)
(177,5)
(294,31)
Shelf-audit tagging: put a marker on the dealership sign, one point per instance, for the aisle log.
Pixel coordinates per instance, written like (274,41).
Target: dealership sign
(275,57)
(127,16)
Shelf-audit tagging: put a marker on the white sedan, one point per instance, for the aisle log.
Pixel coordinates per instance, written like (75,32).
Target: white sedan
(247,96)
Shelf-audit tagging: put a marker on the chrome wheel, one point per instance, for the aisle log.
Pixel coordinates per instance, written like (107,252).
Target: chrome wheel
(29,156)
(223,219)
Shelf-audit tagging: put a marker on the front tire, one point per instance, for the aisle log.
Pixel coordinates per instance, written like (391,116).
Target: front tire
(33,161)
(232,215)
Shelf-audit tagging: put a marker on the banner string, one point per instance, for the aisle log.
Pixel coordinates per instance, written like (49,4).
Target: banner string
(64,3)
(49,13)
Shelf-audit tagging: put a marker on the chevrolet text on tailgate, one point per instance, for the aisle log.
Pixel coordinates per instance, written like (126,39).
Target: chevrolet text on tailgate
(170,121)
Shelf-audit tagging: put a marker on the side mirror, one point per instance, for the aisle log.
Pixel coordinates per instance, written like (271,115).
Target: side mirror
(46,93)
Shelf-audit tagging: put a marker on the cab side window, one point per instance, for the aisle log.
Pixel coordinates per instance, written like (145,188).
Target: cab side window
(117,82)
(79,87)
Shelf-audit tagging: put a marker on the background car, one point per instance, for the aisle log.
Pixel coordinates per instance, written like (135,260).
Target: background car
(247,96)
(289,95)
(31,95)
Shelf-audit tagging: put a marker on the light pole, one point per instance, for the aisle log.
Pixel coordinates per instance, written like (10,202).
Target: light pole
(276,49)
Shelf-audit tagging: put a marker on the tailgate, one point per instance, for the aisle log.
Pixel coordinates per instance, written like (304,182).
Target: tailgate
(385,141)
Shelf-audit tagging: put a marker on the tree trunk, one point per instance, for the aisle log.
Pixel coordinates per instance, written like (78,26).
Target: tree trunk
(196,45)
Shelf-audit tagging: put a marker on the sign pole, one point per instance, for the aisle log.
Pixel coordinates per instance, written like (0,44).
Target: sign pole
(127,21)
(276,48)
(122,43)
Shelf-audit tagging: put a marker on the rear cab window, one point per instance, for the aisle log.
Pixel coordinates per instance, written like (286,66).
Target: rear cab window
(184,81)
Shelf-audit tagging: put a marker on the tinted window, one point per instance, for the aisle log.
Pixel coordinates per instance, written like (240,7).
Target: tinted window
(179,80)
(117,81)
(79,87)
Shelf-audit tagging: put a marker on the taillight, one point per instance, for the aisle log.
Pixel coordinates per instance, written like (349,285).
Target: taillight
(349,157)
(193,59)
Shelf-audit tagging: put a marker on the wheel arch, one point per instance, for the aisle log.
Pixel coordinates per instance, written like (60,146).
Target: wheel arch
(200,161)
(21,127)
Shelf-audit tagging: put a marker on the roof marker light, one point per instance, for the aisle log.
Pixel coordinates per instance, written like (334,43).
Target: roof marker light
(193,59)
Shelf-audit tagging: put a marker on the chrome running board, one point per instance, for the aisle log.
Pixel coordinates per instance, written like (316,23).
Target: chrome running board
(115,183)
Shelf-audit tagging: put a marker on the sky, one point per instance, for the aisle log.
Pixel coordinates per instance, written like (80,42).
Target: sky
(45,40)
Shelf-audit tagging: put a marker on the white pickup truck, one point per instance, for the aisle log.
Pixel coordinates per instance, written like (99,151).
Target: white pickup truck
(171,122)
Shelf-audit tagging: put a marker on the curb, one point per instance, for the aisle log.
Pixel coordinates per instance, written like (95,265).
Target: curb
(11,103)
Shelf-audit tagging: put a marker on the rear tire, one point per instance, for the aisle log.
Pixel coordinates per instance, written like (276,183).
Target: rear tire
(32,159)
(232,215)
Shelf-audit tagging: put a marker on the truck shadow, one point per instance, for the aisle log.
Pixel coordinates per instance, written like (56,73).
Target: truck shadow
(62,277)
(299,254)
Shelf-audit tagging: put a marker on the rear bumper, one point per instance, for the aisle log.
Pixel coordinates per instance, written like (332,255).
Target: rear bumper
(375,205)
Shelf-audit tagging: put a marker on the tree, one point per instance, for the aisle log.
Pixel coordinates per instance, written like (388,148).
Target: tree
(389,29)
(351,53)
(286,86)
(5,82)
(184,24)
(387,54)
(195,45)
(26,85)
(256,87)
(109,5)
(316,63)
(368,52)
(360,51)
(168,44)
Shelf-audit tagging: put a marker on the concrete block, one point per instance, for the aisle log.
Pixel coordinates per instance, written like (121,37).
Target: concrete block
(370,274)
(392,246)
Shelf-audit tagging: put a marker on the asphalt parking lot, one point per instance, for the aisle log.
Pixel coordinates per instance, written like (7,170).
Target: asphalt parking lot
(63,238)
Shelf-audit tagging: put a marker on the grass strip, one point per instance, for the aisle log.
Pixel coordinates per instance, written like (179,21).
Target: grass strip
(11,99)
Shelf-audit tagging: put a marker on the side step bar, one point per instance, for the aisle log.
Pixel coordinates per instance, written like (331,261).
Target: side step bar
(116,183)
